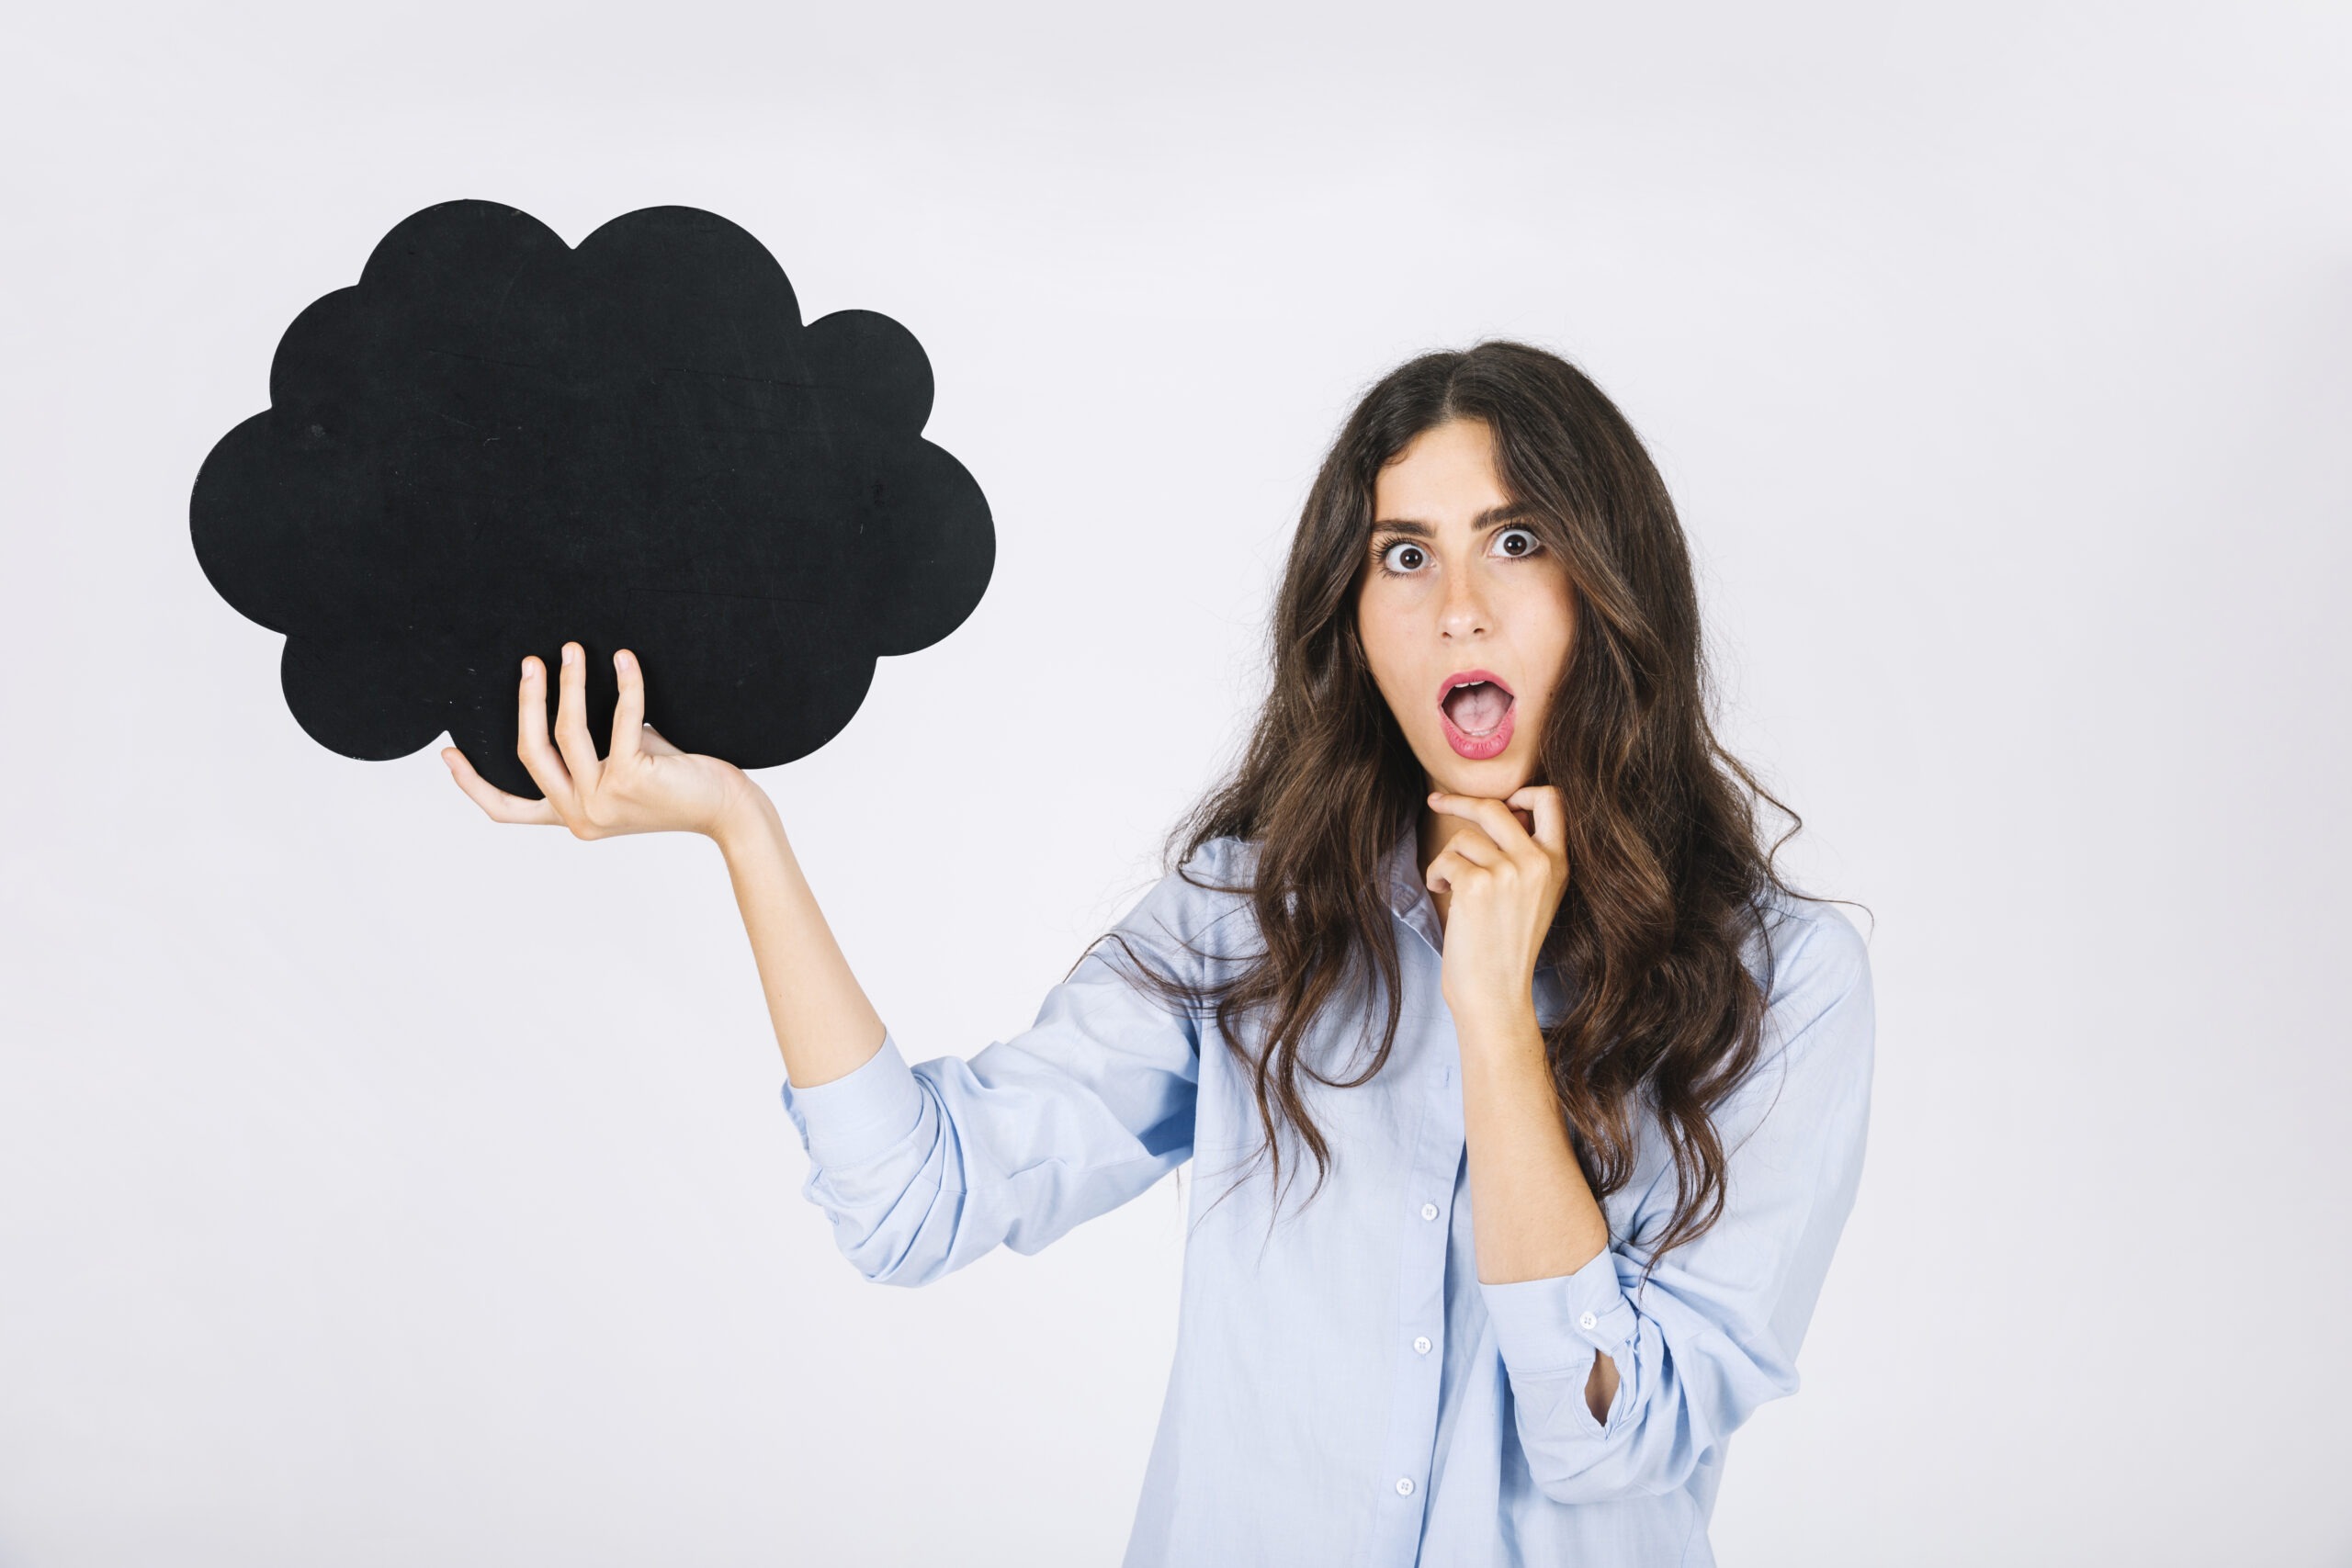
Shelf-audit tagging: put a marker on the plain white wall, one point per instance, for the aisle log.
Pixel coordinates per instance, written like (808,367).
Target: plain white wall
(380,1187)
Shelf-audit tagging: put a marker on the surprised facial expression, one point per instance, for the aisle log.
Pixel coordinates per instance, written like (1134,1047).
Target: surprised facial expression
(1464,613)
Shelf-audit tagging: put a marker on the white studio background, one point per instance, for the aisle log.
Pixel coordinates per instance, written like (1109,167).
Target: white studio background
(378,1187)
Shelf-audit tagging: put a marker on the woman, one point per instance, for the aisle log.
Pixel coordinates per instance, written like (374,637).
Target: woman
(1526,1104)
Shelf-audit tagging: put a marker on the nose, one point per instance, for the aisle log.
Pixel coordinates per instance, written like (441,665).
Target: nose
(1464,615)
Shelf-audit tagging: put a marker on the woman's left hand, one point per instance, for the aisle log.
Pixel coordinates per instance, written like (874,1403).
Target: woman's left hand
(1503,886)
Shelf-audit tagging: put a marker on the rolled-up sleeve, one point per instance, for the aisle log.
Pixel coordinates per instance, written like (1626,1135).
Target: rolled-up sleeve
(922,1169)
(852,1119)
(1714,1332)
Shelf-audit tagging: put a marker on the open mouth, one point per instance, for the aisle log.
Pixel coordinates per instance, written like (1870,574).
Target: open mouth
(1478,707)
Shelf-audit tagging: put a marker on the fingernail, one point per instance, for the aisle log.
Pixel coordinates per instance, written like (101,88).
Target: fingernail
(527,669)
(571,654)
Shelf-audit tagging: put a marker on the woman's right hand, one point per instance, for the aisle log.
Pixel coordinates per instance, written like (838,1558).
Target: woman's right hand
(643,784)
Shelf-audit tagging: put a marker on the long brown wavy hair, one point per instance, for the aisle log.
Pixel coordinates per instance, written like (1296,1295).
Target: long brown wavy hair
(1668,878)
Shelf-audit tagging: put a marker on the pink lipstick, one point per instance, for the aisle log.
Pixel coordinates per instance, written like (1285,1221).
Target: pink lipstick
(1477,708)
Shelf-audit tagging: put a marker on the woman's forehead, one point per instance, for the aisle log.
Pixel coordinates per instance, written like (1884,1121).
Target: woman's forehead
(1445,476)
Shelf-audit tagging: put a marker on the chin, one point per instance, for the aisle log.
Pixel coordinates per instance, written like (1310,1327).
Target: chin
(1495,779)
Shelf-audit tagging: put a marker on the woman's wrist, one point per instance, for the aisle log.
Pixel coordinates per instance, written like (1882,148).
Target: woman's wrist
(746,815)
(1497,1023)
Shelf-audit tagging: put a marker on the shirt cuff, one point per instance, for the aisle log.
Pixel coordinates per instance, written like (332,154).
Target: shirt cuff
(859,1115)
(1547,1327)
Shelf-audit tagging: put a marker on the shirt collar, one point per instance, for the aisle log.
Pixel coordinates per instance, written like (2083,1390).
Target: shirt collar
(1409,899)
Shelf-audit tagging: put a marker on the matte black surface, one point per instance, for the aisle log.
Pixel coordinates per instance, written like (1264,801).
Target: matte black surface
(496,443)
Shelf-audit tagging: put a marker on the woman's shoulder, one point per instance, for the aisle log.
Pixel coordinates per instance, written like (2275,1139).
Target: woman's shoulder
(1815,967)
(1226,865)
(1202,905)
(1806,939)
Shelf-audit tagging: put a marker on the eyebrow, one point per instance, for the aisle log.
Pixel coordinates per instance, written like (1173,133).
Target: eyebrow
(1493,517)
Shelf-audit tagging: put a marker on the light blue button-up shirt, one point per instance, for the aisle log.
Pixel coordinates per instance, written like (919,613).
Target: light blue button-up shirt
(1345,1392)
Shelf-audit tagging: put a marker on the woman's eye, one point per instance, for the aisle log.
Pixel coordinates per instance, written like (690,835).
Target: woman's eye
(1516,542)
(1404,556)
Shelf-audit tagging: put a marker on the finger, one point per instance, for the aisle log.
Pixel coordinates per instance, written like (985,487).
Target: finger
(531,743)
(1450,872)
(571,737)
(1470,842)
(1544,803)
(1438,877)
(628,714)
(1492,815)
(500,806)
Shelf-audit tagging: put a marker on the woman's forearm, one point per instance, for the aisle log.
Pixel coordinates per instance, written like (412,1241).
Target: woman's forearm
(1533,1215)
(825,1024)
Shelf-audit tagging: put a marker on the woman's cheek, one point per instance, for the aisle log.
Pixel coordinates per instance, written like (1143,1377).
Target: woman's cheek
(1386,633)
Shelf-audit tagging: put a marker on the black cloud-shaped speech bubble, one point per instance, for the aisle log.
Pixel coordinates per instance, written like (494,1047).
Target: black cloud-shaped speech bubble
(496,443)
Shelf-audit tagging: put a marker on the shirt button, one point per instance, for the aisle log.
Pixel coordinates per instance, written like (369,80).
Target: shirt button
(1586,1321)
(1404,1486)
(1428,1211)
(1423,1344)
